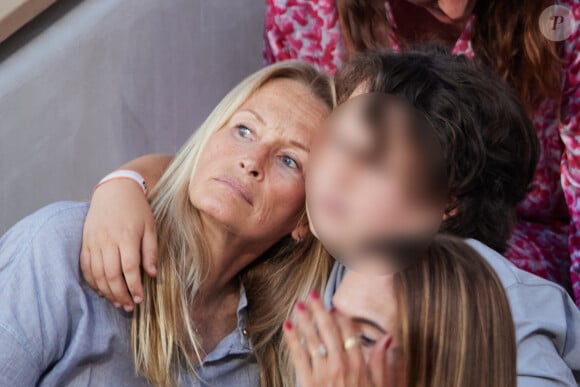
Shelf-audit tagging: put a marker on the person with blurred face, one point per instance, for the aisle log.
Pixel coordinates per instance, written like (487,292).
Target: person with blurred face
(421,142)
(533,45)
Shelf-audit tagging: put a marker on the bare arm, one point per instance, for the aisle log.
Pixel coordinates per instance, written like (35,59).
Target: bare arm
(119,235)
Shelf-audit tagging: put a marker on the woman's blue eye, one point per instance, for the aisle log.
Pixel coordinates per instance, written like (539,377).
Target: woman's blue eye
(290,162)
(244,131)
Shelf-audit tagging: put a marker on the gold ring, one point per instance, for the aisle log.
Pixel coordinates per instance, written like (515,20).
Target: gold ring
(350,342)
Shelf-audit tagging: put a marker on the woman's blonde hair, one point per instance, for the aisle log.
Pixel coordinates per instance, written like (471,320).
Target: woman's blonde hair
(457,328)
(163,336)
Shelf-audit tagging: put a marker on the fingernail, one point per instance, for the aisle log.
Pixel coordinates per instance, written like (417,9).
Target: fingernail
(333,310)
(300,306)
(288,325)
(153,269)
(116,305)
(128,308)
(388,343)
(137,299)
(314,294)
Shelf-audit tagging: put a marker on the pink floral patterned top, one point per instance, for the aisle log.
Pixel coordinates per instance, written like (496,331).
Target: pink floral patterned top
(546,239)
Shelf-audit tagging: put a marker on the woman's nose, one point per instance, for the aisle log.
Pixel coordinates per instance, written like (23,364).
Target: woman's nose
(253,165)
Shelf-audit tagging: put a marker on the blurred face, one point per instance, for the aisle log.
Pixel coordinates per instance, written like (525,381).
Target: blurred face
(352,199)
(370,303)
(250,176)
(447,11)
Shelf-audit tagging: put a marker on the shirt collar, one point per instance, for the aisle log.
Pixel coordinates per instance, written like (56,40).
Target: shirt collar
(237,342)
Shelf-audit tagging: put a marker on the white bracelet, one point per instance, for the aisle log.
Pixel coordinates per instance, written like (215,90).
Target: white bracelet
(125,174)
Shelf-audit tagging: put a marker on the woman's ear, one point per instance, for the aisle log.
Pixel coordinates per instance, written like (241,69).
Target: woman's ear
(301,230)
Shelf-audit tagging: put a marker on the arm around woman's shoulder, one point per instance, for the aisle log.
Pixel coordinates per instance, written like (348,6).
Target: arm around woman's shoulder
(39,273)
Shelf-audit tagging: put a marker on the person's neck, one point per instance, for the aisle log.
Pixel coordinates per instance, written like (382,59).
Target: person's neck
(229,255)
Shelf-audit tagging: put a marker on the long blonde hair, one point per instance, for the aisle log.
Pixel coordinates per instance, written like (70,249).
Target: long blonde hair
(163,336)
(457,329)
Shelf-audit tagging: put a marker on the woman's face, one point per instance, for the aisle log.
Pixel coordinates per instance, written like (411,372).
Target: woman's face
(447,11)
(351,201)
(250,176)
(370,303)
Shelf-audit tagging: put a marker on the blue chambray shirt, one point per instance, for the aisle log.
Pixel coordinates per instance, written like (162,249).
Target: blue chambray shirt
(547,322)
(55,331)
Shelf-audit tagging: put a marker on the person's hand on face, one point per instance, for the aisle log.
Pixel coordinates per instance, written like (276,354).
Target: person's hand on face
(327,350)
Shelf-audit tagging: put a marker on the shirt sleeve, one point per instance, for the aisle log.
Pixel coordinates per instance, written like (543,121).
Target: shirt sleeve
(304,30)
(547,334)
(18,365)
(570,135)
(39,287)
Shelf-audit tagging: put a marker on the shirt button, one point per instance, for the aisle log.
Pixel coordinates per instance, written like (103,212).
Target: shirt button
(245,332)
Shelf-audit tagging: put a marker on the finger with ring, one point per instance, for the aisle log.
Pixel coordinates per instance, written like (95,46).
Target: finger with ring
(351,342)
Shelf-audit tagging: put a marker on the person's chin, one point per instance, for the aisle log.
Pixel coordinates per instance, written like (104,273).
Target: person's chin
(228,213)
(327,239)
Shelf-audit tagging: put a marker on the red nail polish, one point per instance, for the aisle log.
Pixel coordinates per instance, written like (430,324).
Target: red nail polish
(388,343)
(300,306)
(333,310)
(288,325)
(314,294)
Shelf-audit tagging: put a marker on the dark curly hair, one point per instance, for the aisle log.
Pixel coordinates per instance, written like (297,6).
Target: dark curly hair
(477,124)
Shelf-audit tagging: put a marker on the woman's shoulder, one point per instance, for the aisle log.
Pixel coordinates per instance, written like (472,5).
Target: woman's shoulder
(51,232)
(47,311)
(46,232)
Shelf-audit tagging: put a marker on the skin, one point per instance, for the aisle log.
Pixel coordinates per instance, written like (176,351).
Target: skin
(351,200)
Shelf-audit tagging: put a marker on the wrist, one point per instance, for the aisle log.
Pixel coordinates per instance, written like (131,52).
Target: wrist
(124,174)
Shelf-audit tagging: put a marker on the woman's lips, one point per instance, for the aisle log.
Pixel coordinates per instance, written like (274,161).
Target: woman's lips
(236,187)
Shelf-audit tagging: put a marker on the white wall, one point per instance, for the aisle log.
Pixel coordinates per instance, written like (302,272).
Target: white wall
(94,83)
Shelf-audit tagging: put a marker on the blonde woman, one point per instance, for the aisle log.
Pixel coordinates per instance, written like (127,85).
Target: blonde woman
(443,321)
(230,216)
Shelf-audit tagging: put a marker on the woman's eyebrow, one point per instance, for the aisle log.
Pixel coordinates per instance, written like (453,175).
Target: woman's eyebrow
(362,320)
(296,143)
(255,114)
(300,145)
